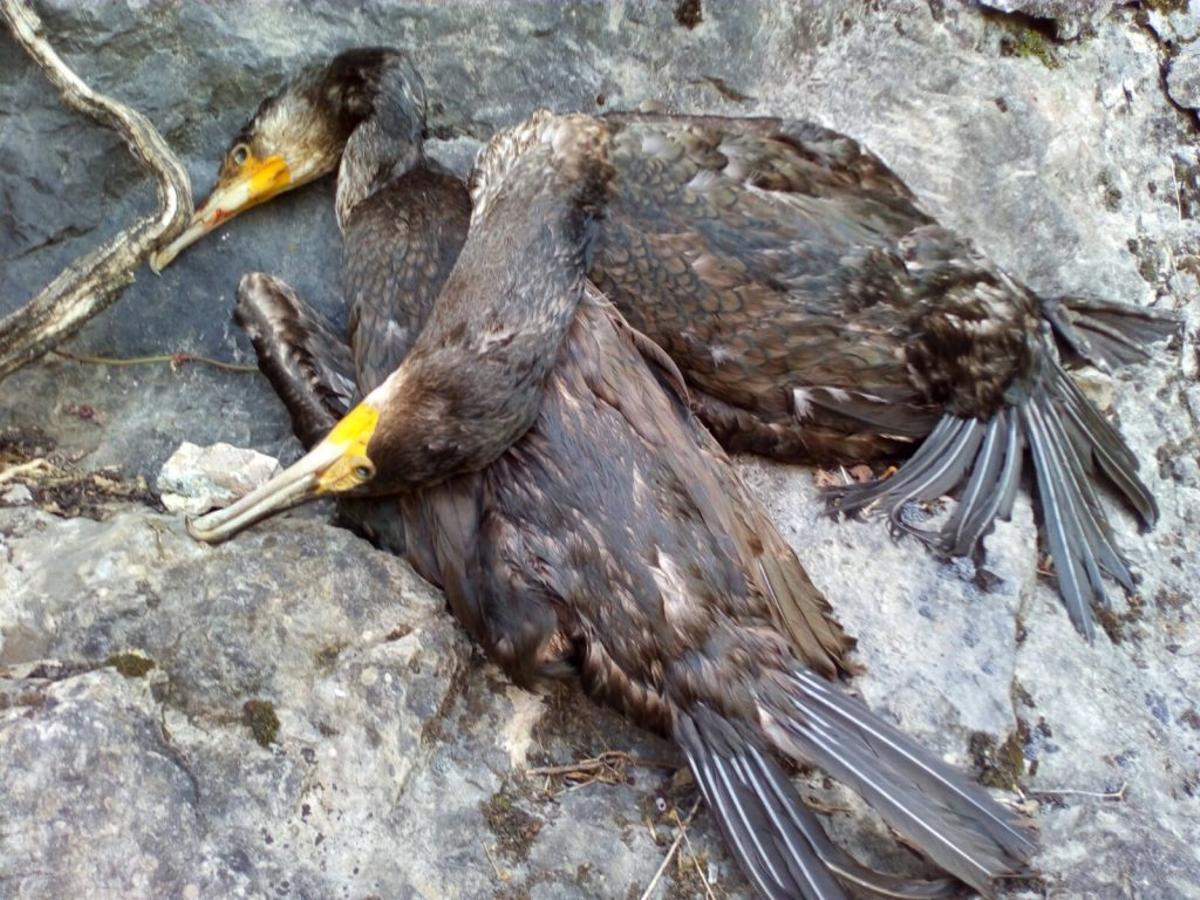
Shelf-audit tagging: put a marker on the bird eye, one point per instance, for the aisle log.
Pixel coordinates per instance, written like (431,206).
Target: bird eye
(363,472)
(240,154)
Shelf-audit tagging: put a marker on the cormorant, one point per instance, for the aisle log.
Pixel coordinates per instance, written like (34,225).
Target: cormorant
(542,461)
(819,315)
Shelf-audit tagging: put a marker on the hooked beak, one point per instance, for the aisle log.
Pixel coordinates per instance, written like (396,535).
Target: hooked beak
(339,463)
(254,182)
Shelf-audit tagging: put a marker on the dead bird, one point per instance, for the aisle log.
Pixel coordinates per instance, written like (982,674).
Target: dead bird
(541,459)
(818,315)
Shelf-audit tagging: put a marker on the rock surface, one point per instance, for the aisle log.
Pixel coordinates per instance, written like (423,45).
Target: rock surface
(1068,18)
(393,757)
(196,479)
(1183,78)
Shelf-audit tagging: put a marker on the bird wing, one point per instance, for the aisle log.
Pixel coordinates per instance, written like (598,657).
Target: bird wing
(306,362)
(758,240)
(797,607)
(656,483)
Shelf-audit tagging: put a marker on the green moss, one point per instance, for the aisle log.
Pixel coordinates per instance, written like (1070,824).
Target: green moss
(327,656)
(1000,765)
(259,716)
(1029,43)
(1166,7)
(131,665)
(514,828)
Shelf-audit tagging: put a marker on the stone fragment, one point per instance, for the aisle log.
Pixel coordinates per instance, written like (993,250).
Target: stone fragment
(196,479)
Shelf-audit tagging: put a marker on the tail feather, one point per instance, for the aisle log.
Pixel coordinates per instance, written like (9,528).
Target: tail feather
(778,843)
(1070,445)
(1107,334)
(309,366)
(993,485)
(1061,466)
(1096,438)
(954,821)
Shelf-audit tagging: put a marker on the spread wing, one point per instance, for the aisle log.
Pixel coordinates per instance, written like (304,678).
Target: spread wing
(306,362)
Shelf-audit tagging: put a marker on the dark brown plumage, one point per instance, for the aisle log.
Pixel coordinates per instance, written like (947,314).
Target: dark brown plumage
(538,459)
(819,315)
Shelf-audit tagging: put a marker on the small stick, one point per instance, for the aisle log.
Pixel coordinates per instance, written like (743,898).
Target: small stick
(500,876)
(93,282)
(692,853)
(671,853)
(172,358)
(1118,794)
(602,761)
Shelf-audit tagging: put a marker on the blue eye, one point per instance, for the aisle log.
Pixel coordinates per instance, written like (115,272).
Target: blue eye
(240,154)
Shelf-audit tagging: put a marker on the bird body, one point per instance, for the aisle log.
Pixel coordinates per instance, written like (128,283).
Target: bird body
(815,311)
(538,460)
(819,315)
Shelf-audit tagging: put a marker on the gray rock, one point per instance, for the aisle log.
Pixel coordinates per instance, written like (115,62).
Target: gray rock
(1070,17)
(196,479)
(17,495)
(281,714)
(1175,21)
(1183,77)
(396,769)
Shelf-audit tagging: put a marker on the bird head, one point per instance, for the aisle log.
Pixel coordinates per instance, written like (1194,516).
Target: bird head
(344,462)
(301,132)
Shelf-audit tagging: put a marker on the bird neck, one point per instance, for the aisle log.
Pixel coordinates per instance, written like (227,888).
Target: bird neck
(373,156)
(474,381)
(400,247)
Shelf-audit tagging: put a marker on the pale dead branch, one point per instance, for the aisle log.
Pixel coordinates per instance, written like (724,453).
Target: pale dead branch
(94,281)
(671,851)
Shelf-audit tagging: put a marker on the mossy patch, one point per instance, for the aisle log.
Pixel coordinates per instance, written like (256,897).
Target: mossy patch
(259,716)
(131,665)
(1166,7)
(1026,36)
(1029,43)
(514,828)
(1112,193)
(328,655)
(689,13)
(690,877)
(1120,626)
(1000,764)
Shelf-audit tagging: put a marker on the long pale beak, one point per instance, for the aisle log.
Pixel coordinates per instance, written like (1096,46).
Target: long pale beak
(257,181)
(297,484)
(338,463)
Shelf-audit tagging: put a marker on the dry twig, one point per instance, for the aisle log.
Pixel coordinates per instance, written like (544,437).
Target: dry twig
(501,874)
(94,281)
(174,359)
(674,848)
(708,892)
(1117,795)
(607,767)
